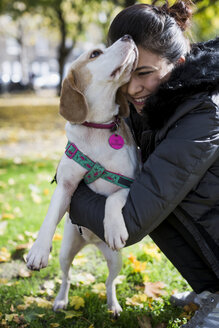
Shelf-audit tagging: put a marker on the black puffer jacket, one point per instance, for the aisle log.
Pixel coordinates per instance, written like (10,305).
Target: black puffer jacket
(179,141)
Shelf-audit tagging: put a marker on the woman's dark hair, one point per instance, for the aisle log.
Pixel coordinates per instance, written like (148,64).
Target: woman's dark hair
(158,29)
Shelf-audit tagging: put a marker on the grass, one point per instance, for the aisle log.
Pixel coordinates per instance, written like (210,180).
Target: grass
(28,127)
(25,193)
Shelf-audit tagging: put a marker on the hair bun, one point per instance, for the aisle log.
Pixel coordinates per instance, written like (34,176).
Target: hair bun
(181,11)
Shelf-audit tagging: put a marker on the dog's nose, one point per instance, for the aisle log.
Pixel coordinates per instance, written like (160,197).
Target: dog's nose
(126,38)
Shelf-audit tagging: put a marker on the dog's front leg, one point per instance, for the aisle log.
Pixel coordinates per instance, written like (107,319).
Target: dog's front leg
(115,230)
(38,255)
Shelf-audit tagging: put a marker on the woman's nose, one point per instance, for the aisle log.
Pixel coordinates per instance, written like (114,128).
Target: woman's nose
(134,87)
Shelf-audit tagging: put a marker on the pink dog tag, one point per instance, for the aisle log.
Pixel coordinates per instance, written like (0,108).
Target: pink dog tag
(116,141)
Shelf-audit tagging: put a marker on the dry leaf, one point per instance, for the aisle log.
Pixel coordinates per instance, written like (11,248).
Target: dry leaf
(53,325)
(24,273)
(144,322)
(154,289)
(57,236)
(71,314)
(137,265)
(136,300)
(77,302)
(9,317)
(5,256)
(46,192)
(191,307)
(3,226)
(152,250)
(99,289)
(8,216)
(84,278)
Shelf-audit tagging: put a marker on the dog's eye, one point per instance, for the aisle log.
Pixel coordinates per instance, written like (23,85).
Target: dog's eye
(95,53)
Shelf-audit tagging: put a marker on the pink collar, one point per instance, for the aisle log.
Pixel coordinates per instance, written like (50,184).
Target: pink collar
(113,125)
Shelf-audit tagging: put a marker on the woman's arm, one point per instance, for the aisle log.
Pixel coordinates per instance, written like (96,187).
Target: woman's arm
(169,174)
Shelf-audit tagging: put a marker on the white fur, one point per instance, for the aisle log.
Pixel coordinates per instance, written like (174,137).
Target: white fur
(100,95)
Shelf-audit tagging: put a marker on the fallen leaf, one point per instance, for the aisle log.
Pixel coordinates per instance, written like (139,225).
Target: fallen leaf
(5,256)
(119,279)
(24,273)
(191,307)
(84,278)
(36,198)
(154,289)
(144,322)
(46,192)
(53,325)
(9,317)
(71,314)
(80,259)
(8,216)
(152,250)
(3,226)
(57,236)
(77,302)
(136,300)
(99,289)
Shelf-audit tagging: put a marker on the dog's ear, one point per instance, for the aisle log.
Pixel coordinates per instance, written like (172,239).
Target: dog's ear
(121,100)
(73,105)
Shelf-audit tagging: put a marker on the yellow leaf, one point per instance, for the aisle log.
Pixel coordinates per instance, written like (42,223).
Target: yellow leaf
(4,255)
(71,314)
(22,307)
(77,302)
(41,315)
(132,257)
(153,251)
(80,259)
(53,325)
(139,266)
(137,300)
(7,216)
(84,278)
(57,237)
(99,289)
(9,317)
(46,192)
(36,198)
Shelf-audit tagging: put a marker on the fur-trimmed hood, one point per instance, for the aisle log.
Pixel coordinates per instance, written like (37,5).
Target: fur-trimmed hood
(199,73)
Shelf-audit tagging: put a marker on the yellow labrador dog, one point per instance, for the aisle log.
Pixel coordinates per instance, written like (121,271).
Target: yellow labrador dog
(92,106)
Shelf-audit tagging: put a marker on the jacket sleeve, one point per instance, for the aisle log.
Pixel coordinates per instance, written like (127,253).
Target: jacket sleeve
(170,173)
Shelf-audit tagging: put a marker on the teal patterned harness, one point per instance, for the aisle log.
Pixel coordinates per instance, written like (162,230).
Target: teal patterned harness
(95,170)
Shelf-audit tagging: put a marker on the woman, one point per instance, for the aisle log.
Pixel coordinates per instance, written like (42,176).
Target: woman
(175,118)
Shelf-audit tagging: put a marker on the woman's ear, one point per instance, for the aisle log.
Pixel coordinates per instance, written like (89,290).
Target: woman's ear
(73,105)
(121,100)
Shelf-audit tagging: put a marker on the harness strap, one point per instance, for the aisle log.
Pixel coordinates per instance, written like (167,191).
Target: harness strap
(95,170)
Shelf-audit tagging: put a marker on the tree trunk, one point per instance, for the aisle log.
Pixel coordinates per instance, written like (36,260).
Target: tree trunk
(63,51)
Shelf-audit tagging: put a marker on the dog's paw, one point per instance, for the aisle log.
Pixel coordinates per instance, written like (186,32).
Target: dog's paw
(37,258)
(60,304)
(115,309)
(115,233)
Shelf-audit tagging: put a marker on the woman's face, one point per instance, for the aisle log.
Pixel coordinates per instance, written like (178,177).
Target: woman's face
(150,72)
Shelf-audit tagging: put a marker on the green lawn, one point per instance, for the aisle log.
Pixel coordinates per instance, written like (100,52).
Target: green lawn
(26,297)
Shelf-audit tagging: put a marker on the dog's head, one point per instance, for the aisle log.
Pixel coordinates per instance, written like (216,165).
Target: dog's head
(94,81)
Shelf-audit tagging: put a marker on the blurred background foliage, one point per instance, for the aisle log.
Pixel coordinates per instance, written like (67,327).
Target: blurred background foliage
(71,21)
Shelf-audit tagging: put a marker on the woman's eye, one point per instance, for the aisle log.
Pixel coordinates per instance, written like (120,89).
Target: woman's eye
(96,53)
(145,73)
